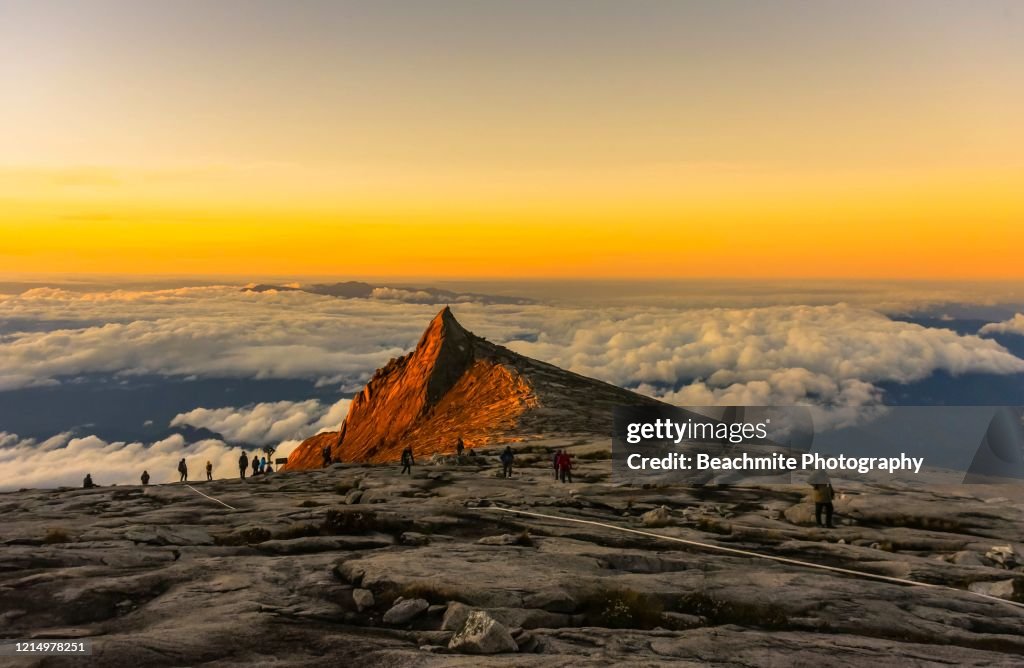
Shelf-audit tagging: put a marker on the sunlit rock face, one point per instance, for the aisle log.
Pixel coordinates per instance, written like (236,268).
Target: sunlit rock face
(455,384)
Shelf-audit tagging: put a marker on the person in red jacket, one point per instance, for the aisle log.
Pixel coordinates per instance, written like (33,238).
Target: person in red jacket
(564,467)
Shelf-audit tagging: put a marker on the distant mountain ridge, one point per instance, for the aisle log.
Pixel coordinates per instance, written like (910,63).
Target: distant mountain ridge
(456,384)
(410,294)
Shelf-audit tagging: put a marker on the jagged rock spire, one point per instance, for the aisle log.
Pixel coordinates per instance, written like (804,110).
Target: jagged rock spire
(456,385)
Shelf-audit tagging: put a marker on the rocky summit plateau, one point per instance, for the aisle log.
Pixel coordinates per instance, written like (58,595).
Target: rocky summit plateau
(357,565)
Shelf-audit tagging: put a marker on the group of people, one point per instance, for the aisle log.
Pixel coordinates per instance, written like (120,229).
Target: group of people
(562,462)
(260,465)
(182,472)
(822,491)
(507,459)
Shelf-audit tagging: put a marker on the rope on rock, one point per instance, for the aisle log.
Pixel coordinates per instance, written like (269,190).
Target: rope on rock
(209,497)
(758,555)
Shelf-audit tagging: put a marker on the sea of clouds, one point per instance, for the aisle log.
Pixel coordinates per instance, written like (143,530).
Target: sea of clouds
(834,355)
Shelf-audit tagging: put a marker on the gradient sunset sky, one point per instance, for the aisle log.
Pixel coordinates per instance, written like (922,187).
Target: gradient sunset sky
(525,138)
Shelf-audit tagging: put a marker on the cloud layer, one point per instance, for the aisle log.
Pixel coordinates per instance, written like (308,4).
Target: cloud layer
(782,354)
(776,353)
(833,355)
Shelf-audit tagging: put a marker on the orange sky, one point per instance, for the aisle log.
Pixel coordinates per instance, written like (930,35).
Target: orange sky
(866,140)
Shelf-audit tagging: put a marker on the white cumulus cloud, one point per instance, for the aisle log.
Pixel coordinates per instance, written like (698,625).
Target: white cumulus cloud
(1014,325)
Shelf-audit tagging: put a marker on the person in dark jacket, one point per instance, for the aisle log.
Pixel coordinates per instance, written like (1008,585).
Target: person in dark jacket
(325,455)
(145,477)
(407,460)
(209,470)
(243,463)
(507,458)
(460,447)
(87,483)
(554,462)
(255,465)
(183,470)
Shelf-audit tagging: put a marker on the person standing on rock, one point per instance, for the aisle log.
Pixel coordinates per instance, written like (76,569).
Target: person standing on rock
(145,478)
(407,460)
(263,465)
(255,465)
(554,462)
(325,455)
(564,467)
(183,470)
(209,470)
(823,495)
(460,447)
(506,462)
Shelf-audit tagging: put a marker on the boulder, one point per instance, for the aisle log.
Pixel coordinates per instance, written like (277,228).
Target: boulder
(801,513)
(353,497)
(455,616)
(363,599)
(482,634)
(405,611)
(659,517)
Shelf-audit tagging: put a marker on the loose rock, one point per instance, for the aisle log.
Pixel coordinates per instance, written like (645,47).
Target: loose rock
(482,634)
(405,611)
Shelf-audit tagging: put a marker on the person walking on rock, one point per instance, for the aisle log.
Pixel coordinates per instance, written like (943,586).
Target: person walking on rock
(243,463)
(183,470)
(145,478)
(209,470)
(506,462)
(823,495)
(564,467)
(407,460)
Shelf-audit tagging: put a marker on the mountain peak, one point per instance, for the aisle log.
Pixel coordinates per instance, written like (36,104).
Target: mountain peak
(456,385)
(443,353)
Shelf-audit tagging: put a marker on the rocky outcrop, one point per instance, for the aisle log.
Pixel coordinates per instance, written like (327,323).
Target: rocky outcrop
(454,385)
